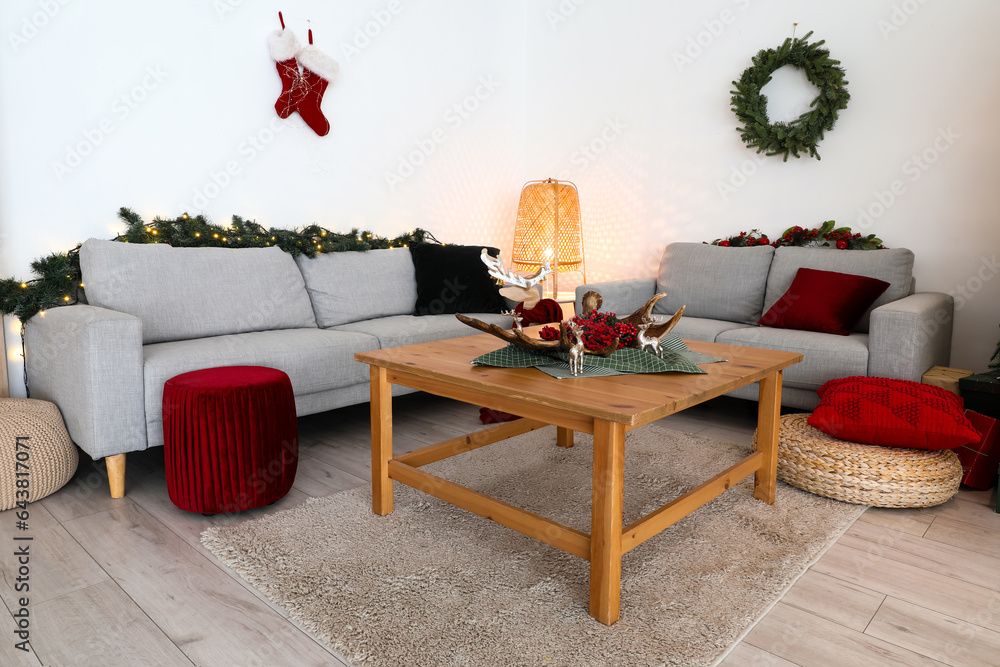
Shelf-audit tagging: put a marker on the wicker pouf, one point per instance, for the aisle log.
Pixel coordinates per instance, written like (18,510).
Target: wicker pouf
(33,440)
(863,474)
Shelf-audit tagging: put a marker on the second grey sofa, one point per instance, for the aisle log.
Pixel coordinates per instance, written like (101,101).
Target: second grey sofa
(727,290)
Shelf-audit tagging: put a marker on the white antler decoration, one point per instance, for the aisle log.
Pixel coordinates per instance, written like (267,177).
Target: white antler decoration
(516,288)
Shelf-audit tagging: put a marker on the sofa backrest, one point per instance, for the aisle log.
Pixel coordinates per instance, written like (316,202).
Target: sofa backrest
(351,286)
(894,265)
(183,293)
(714,282)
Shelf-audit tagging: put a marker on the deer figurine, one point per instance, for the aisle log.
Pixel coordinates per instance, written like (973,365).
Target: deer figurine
(576,351)
(650,343)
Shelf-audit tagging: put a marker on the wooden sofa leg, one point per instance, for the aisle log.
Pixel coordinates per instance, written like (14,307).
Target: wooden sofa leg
(116,474)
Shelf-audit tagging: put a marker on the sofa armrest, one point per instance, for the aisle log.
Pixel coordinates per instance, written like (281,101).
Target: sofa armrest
(908,336)
(622,297)
(88,361)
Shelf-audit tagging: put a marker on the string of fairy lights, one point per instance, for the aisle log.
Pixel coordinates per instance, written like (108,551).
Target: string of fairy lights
(58,281)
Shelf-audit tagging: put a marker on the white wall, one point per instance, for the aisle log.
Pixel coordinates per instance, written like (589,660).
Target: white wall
(659,134)
(432,90)
(631,100)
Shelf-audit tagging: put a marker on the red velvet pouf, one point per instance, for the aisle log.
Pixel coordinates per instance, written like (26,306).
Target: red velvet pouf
(230,437)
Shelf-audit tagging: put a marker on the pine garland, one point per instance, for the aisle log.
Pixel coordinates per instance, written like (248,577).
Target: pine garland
(804,133)
(58,281)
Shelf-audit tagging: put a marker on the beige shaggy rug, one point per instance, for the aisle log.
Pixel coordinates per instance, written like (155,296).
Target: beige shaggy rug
(431,584)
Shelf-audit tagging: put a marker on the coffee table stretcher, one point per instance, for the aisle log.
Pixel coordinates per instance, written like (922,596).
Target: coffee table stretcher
(604,547)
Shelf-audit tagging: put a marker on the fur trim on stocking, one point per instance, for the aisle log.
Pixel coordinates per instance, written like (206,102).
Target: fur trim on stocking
(283,45)
(319,63)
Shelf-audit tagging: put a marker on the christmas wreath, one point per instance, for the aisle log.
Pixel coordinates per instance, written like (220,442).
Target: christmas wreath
(806,131)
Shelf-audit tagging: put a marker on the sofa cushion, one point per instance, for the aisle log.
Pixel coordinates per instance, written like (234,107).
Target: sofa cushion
(350,286)
(894,266)
(315,360)
(892,413)
(714,282)
(699,328)
(454,279)
(824,301)
(184,293)
(824,356)
(409,329)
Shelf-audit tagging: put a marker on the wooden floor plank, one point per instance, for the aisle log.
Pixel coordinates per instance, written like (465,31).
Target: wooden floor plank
(936,635)
(834,599)
(101,625)
(957,562)
(727,435)
(805,639)
(970,536)
(197,606)
(86,493)
(353,458)
(904,520)
(59,565)
(317,478)
(744,654)
(9,653)
(925,587)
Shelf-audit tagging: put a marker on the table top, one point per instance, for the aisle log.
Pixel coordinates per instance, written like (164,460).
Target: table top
(627,399)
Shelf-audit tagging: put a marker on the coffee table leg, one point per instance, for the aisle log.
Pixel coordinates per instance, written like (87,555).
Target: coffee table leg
(768,411)
(606,521)
(564,436)
(381,411)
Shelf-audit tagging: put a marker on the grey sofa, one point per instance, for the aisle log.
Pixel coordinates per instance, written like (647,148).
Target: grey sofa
(727,290)
(154,311)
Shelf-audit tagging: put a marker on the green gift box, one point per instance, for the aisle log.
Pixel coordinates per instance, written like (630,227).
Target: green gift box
(981,393)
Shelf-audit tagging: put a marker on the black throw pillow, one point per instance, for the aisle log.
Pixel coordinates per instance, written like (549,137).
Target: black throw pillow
(453,279)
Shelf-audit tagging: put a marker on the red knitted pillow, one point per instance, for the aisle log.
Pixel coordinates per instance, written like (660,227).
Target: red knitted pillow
(892,413)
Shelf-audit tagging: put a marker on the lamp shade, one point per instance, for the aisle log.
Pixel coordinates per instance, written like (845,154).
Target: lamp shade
(548,227)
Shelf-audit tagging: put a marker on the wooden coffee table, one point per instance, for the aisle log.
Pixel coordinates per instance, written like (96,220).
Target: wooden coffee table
(605,407)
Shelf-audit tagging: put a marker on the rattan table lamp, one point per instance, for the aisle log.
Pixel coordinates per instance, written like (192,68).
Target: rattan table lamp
(549,229)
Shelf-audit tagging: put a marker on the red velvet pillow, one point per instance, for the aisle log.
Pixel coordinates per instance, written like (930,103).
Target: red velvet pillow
(892,413)
(824,301)
(545,311)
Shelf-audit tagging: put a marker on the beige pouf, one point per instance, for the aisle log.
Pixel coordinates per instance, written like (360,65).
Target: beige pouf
(863,474)
(33,440)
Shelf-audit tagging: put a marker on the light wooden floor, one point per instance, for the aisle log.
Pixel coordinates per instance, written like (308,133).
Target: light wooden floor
(127,582)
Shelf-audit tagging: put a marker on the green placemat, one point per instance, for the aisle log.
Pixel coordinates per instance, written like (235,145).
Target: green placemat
(677,358)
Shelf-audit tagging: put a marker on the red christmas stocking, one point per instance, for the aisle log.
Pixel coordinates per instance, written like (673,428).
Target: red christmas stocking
(284,49)
(318,70)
